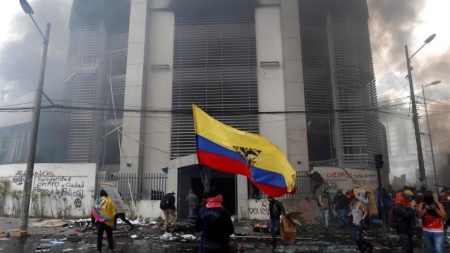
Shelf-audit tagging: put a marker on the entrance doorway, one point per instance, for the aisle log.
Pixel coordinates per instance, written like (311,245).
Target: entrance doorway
(195,177)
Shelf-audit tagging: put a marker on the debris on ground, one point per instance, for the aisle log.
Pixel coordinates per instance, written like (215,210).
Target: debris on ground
(261,228)
(167,237)
(189,237)
(50,223)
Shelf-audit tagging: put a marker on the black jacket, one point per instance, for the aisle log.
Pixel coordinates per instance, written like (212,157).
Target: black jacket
(340,201)
(275,209)
(216,225)
(168,202)
(405,216)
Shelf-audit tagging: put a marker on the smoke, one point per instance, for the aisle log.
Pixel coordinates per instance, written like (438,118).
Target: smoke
(391,24)
(20,57)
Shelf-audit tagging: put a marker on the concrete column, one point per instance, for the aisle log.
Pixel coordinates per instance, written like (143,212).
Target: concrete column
(297,144)
(271,89)
(159,90)
(135,82)
(242,197)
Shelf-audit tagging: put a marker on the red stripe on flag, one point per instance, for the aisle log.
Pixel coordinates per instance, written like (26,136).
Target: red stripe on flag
(228,165)
(222,163)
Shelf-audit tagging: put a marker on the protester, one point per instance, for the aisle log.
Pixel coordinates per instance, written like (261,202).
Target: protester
(167,205)
(214,223)
(359,214)
(192,202)
(121,215)
(445,198)
(318,181)
(324,206)
(401,217)
(432,214)
(387,202)
(123,218)
(384,200)
(276,209)
(340,203)
(103,212)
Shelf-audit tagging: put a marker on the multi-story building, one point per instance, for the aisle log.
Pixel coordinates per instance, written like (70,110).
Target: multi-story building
(95,79)
(298,72)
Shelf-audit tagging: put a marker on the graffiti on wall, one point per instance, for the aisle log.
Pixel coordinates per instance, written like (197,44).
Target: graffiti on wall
(258,209)
(47,182)
(346,179)
(58,190)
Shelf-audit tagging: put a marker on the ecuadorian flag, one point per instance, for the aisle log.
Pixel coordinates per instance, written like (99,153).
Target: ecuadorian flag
(229,150)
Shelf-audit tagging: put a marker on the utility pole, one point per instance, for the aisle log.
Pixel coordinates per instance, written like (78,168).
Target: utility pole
(415,118)
(429,136)
(31,152)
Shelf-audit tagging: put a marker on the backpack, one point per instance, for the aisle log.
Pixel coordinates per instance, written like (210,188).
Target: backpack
(165,202)
(393,220)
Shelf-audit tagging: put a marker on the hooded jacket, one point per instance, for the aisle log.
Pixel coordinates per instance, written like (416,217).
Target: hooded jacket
(215,223)
(404,213)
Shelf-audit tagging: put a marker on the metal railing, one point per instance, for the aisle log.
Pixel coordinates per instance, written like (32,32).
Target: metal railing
(302,183)
(151,186)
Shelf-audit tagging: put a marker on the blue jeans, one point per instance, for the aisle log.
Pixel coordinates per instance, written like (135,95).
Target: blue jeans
(342,217)
(325,216)
(274,227)
(362,244)
(434,241)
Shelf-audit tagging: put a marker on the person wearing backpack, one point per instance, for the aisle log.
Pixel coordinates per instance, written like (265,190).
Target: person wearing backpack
(167,205)
(276,209)
(432,214)
(401,218)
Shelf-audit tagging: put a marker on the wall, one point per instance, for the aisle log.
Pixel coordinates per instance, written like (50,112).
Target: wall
(148,209)
(58,190)
(259,209)
(347,179)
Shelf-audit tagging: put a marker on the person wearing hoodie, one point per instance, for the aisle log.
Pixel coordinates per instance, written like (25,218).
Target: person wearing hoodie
(104,212)
(214,223)
(405,216)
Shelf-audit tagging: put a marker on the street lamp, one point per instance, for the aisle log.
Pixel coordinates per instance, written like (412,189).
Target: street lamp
(31,149)
(429,132)
(414,108)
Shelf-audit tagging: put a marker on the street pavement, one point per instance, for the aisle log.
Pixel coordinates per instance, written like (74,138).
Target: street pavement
(151,237)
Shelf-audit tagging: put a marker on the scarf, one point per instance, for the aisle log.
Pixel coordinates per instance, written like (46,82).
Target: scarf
(214,201)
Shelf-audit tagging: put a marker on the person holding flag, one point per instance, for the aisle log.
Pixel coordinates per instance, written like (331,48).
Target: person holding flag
(104,212)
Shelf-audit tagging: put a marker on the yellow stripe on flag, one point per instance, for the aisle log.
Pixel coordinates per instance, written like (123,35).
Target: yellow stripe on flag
(271,158)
